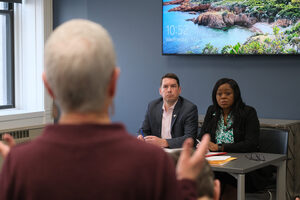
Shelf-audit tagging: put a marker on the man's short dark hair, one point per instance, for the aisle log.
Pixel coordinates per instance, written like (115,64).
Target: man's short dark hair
(170,75)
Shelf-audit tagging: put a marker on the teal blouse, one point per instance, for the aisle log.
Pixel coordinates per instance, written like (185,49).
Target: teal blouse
(224,134)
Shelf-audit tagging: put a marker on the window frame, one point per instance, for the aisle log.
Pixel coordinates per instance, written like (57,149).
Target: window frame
(33,23)
(10,67)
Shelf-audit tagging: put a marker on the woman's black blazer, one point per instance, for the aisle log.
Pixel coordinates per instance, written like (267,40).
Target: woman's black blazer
(245,130)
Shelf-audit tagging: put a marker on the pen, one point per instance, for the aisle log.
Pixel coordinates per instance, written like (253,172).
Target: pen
(141,131)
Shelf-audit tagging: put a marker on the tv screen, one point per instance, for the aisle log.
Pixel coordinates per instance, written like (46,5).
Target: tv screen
(222,27)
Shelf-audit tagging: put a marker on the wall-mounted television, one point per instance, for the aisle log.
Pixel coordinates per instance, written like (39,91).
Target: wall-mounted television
(231,27)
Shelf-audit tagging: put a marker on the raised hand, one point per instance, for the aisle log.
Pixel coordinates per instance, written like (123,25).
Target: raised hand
(190,165)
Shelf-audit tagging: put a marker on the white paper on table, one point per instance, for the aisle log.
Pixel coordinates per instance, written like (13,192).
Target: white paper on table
(217,158)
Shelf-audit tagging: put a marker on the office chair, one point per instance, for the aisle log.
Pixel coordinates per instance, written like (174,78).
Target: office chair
(271,140)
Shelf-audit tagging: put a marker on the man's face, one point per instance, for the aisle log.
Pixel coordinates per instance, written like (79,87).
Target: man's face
(169,90)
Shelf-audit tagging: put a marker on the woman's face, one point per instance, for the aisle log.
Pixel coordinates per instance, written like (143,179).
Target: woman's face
(225,96)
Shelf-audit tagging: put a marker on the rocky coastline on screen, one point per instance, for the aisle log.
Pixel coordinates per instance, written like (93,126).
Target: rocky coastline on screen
(224,17)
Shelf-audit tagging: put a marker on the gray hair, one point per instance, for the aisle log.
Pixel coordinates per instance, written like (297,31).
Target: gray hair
(79,62)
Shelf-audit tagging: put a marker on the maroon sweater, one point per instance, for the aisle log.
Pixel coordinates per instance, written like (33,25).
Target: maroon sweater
(90,162)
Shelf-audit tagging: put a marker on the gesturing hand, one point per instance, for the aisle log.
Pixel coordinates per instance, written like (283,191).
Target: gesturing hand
(190,165)
(5,148)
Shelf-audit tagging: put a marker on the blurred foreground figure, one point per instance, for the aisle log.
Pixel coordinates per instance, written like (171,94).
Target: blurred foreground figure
(86,156)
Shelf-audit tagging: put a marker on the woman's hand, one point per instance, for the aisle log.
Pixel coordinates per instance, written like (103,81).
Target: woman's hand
(212,146)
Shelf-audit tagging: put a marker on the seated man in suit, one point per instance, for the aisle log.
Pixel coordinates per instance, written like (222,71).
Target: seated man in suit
(170,119)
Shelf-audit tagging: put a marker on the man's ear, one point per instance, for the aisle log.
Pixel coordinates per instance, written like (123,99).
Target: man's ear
(217,189)
(112,88)
(47,85)
(160,92)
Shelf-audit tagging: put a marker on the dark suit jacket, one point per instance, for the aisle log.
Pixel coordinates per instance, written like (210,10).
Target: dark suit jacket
(184,121)
(246,131)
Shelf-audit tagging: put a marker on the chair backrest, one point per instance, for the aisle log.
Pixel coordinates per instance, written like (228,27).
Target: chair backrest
(273,140)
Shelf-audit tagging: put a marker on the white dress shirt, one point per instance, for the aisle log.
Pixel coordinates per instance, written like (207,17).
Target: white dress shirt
(166,122)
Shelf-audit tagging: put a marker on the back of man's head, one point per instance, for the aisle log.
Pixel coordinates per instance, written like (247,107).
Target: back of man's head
(205,182)
(207,187)
(79,62)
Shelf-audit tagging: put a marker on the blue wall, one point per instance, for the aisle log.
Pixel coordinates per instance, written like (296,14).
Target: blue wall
(270,84)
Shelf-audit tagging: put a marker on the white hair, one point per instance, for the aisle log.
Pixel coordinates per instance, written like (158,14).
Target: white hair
(79,62)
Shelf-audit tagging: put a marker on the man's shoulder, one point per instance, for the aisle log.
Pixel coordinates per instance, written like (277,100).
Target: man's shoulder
(156,102)
(29,145)
(186,102)
(24,152)
(21,152)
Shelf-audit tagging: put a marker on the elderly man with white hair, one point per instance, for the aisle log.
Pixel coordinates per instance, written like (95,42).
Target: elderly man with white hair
(86,156)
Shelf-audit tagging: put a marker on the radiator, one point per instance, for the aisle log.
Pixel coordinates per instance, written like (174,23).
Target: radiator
(22,134)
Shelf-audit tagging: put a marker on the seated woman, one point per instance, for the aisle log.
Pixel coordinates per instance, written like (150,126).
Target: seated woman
(233,127)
